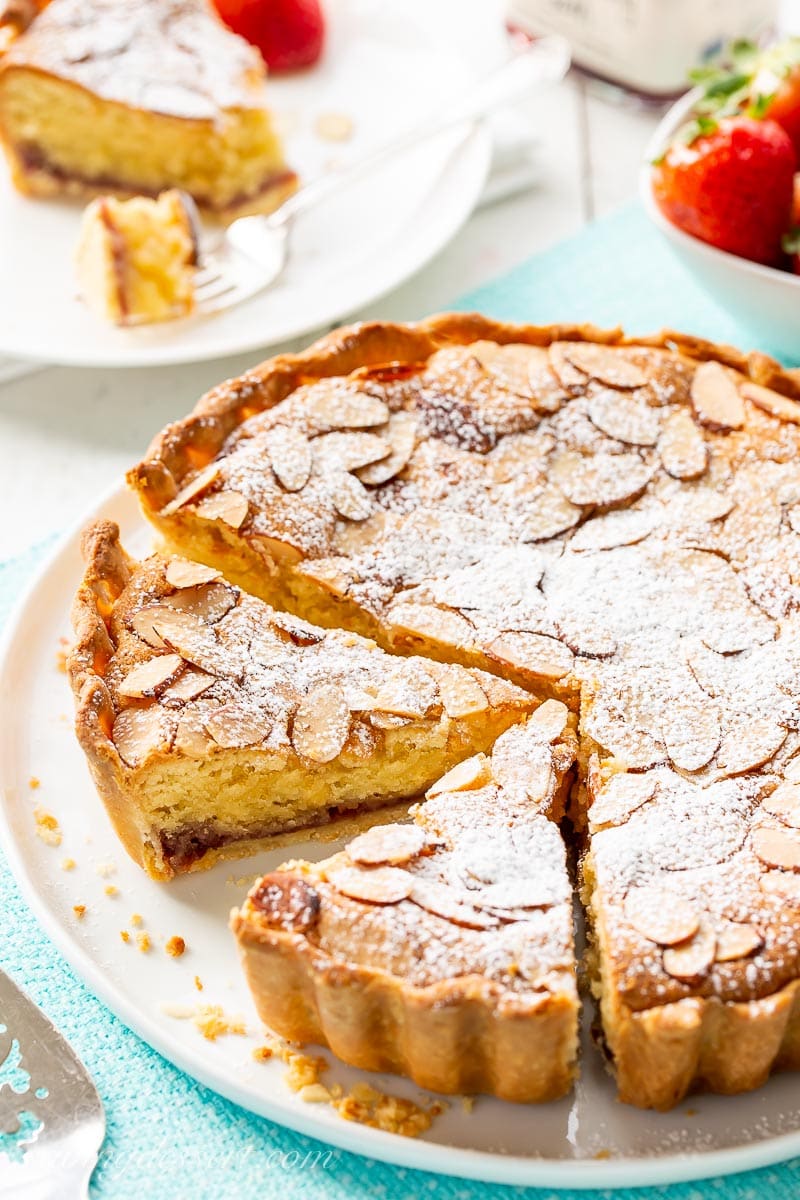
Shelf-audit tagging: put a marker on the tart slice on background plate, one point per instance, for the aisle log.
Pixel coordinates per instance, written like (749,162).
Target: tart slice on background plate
(441,949)
(211,722)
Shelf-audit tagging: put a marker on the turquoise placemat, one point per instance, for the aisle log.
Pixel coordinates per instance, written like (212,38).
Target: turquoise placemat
(168,1137)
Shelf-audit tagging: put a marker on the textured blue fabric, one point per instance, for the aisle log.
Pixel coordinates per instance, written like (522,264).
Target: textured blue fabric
(168,1137)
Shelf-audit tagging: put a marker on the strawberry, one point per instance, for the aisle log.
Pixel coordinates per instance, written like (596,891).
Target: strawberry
(730,183)
(791,242)
(289,33)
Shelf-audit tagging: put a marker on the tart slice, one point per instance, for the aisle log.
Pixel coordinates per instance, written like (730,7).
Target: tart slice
(211,722)
(440,949)
(135,96)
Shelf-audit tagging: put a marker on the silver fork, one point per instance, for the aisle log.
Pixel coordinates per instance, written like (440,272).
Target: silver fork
(51,1118)
(252,252)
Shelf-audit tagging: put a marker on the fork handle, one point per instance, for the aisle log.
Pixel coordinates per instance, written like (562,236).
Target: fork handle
(542,61)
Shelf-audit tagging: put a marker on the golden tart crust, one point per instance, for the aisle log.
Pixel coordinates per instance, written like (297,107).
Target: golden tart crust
(212,722)
(442,950)
(607,520)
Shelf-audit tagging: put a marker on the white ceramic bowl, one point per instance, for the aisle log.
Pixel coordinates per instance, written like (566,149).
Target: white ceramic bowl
(764,299)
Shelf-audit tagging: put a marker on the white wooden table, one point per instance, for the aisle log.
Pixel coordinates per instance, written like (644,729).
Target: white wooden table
(67,434)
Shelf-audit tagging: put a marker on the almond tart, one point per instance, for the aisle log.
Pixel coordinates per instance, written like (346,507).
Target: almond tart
(211,722)
(441,949)
(609,521)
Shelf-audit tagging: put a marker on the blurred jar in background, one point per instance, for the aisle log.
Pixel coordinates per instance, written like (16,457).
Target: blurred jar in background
(647,46)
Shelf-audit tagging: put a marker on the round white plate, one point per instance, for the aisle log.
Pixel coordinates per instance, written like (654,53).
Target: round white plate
(386,67)
(587,1140)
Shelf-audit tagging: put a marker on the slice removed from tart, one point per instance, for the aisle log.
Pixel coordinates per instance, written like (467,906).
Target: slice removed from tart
(441,949)
(211,722)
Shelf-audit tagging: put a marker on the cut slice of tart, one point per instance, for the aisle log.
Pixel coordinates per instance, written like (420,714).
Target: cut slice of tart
(211,722)
(440,949)
(135,96)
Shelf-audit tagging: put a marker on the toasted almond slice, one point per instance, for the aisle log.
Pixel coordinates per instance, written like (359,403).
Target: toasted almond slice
(234,727)
(345,451)
(715,398)
(142,624)
(684,453)
(461,694)
(350,498)
(784,803)
(401,434)
(295,630)
(347,410)
(749,745)
(772,402)
(550,719)
(606,363)
(191,737)
(382,720)
(565,371)
(519,765)
(191,684)
(661,916)
(202,480)
(736,940)
(620,798)
(442,901)
(151,677)
(535,653)
(508,364)
(332,574)
(286,901)
(466,776)
(186,634)
(183,573)
(290,456)
(406,692)
(623,528)
(321,723)
(777,847)
(140,732)
(693,959)
(791,772)
(783,884)
(624,418)
(230,507)
(428,621)
(549,514)
(208,601)
(599,479)
(387,845)
(381,885)
(691,731)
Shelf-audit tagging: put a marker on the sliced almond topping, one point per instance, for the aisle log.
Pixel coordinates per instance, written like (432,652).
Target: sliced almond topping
(428,621)
(624,528)
(140,732)
(230,507)
(295,630)
(234,727)
(286,901)
(382,720)
(620,798)
(390,845)
(691,731)
(321,723)
(400,433)
(684,453)
(290,456)
(661,916)
(567,374)
(442,901)
(692,959)
(332,574)
(607,364)
(151,677)
(520,765)
(407,692)
(381,885)
(346,451)
(350,498)
(201,481)
(347,410)
(791,772)
(142,624)
(783,884)
(777,847)
(784,803)
(183,573)
(549,514)
(189,686)
(461,694)
(772,402)
(191,738)
(735,940)
(187,635)
(534,653)
(208,601)
(599,479)
(467,776)
(749,745)
(715,398)
(550,719)
(624,418)
(509,364)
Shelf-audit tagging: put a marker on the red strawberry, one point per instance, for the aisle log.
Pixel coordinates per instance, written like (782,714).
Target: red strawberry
(730,186)
(782,106)
(289,33)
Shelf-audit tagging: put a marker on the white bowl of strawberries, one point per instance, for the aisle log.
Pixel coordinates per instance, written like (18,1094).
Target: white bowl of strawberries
(722,183)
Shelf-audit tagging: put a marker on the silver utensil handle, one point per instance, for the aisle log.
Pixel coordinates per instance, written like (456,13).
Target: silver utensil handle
(543,61)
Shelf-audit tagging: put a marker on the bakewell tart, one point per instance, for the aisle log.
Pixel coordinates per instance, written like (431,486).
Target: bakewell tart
(441,949)
(136,259)
(136,96)
(608,521)
(211,721)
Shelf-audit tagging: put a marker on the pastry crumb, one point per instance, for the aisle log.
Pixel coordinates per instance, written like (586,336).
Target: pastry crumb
(467,1103)
(61,655)
(210,1019)
(111,890)
(198,983)
(304,1069)
(106,869)
(79,910)
(314,1093)
(602,1154)
(691,1112)
(143,942)
(123,933)
(392,1114)
(136,920)
(262,1053)
(334,127)
(47,827)
(68,864)
(34,782)
(175,947)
